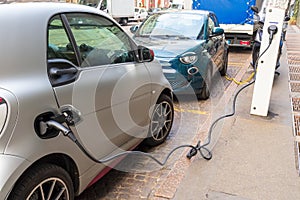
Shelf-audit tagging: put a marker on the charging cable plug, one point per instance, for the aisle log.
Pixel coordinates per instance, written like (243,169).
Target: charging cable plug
(272,30)
(193,151)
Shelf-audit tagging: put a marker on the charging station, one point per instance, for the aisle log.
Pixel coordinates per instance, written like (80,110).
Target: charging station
(275,13)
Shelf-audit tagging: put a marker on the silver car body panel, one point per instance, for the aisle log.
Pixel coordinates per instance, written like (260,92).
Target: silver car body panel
(13,165)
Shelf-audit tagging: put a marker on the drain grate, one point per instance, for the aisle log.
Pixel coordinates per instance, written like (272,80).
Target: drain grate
(295,87)
(294,69)
(294,77)
(294,57)
(297,124)
(296,104)
(294,62)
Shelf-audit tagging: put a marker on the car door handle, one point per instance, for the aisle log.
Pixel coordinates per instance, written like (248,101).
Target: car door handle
(59,72)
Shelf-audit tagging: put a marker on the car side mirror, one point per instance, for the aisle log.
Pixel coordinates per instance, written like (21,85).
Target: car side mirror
(145,54)
(217,31)
(254,9)
(134,28)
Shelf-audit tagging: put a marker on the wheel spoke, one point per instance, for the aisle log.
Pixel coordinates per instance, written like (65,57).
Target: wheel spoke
(167,113)
(166,127)
(159,134)
(42,192)
(51,190)
(159,110)
(63,189)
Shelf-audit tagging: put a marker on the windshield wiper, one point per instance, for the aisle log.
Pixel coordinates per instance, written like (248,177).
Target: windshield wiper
(181,37)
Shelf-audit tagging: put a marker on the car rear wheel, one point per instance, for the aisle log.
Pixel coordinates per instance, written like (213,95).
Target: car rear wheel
(46,181)
(161,121)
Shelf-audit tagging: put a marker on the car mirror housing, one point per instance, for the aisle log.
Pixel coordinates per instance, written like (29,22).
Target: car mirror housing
(217,31)
(145,54)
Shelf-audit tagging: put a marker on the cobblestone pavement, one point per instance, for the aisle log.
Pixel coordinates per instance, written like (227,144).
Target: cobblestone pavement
(141,178)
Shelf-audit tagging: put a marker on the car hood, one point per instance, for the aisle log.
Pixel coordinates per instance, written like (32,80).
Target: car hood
(168,49)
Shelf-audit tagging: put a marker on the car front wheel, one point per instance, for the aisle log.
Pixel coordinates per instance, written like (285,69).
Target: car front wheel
(161,121)
(204,93)
(46,181)
(223,71)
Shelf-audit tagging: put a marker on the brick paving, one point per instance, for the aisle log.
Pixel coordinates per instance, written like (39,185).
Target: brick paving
(140,178)
(293,60)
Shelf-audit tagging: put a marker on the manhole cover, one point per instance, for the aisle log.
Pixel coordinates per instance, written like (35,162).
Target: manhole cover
(296,104)
(294,77)
(295,87)
(294,69)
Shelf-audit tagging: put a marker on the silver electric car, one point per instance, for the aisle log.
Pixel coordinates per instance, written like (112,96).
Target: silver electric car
(74,90)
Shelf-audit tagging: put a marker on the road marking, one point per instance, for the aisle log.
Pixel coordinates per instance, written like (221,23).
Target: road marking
(235,64)
(198,112)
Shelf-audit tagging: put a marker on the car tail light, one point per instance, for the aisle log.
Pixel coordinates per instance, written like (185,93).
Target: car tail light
(3,113)
(245,42)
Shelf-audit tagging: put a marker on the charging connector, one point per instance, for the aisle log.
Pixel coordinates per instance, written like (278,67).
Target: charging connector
(272,30)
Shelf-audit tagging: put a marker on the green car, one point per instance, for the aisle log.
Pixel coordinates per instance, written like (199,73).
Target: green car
(190,46)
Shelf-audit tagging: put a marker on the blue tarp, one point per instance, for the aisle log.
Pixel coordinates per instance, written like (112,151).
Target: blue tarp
(228,11)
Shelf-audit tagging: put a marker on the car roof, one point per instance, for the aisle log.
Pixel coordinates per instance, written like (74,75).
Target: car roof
(41,8)
(183,11)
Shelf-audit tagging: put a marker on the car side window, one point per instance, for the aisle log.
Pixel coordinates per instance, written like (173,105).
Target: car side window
(211,26)
(99,40)
(59,45)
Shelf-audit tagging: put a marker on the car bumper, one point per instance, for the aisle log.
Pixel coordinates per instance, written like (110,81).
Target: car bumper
(11,168)
(180,84)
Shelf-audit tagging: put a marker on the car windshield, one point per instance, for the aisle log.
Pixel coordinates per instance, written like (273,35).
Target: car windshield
(177,25)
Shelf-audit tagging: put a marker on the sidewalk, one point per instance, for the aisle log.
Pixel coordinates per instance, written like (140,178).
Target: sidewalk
(255,157)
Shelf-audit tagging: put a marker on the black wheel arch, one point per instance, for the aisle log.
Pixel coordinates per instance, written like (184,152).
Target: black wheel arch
(63,161)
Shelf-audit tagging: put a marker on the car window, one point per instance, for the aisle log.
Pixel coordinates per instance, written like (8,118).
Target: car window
(59,45)
(215,20)
(211,26)
(99,41)
(172,24)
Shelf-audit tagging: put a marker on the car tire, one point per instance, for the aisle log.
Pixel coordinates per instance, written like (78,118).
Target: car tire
(223,71)
(255,54)
(54,180)
(204,92)
(161,121)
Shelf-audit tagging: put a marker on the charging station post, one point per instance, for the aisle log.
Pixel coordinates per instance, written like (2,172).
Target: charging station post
(275,13)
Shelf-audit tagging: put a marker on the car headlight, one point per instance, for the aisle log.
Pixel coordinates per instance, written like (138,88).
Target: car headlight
(189,58)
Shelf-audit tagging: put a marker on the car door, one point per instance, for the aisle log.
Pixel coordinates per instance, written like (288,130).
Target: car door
(94,71)
(216,49)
